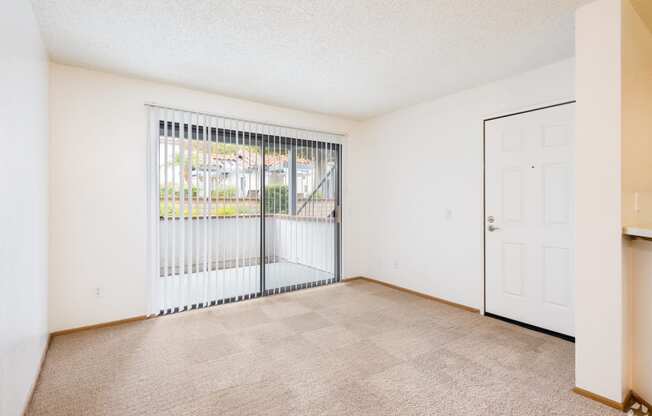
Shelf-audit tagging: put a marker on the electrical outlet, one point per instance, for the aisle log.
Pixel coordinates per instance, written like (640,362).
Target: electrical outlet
(98,292)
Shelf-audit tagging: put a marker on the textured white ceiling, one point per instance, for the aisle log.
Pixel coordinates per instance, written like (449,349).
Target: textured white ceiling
(353,58)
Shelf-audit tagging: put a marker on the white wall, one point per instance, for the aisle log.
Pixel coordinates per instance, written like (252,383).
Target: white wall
(97,167)
(415,189)
(24,207)
(600,309)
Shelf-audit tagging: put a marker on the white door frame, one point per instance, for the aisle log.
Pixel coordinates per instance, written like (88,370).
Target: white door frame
(484,216)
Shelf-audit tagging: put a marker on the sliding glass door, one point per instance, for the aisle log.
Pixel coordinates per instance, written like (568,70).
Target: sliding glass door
(209,212)
(301,200)
(238,210)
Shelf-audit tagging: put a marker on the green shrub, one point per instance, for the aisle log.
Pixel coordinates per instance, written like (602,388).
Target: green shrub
(177,193)
(226,211)
(276,199)
(224,193)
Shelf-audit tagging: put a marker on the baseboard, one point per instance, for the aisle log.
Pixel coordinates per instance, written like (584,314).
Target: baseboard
(423,295)
(32,389)
(102,325)
(600,399)
(641,400)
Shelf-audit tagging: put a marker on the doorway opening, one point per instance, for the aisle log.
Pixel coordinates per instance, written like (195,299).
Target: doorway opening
(528,218)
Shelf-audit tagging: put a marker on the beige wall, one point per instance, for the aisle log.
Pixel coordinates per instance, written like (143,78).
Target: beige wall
(637,117)
(614,151)
(637,178)
(97,177)
(599,299)
(641,268)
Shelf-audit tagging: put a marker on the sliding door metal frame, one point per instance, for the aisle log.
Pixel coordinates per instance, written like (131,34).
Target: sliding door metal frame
(337,223)
(338,216)
(292,171)
(263,219)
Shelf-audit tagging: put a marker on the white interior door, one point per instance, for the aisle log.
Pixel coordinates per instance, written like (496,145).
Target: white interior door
(529,201)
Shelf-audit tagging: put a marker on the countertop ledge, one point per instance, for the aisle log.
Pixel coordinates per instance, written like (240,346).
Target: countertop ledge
(638,231)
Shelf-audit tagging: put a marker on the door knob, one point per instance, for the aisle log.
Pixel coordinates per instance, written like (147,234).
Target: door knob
(492,228)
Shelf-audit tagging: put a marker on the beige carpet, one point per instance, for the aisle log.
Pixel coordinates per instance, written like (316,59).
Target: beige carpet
(355,348)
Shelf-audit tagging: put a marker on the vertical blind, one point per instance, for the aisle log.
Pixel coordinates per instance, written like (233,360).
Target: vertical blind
(238,209)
